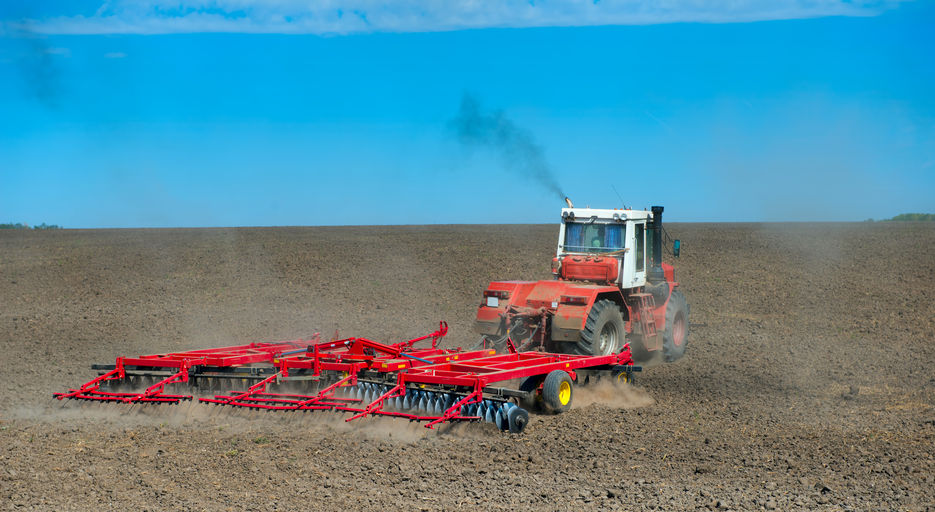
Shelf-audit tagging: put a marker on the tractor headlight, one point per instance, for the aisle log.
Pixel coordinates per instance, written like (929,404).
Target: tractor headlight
(573,300)
(492,297)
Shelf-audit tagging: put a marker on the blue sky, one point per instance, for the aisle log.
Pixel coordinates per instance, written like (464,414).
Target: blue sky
(245,113)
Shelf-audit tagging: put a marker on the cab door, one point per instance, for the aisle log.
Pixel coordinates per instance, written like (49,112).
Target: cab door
(639,254)
(633,270)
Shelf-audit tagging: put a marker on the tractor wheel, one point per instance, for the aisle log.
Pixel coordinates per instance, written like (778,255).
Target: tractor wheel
(604,333)
(557,392)
(675,338)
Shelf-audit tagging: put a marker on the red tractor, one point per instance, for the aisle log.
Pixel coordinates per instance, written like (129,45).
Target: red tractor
(610,287)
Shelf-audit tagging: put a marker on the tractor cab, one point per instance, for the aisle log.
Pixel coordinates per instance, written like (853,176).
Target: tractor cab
(603,246)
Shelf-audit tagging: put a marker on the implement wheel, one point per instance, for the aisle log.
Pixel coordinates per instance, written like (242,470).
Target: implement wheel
(604,333)
(621,375)
(531,400)
(675,338)
(557,392)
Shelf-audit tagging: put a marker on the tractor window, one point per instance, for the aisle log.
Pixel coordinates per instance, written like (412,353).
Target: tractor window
(640,246)
(592,237)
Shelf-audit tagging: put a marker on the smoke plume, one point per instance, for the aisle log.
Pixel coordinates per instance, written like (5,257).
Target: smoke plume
(515,146)
(38,64)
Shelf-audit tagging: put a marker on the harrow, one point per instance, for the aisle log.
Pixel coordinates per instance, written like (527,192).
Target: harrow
(360,377)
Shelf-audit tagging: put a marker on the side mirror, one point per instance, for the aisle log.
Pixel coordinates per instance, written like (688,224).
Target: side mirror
(676,247)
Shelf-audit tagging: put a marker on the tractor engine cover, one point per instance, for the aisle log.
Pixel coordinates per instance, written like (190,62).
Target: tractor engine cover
(590,268)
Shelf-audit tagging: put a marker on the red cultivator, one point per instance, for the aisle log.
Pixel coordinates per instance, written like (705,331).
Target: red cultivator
(361,377)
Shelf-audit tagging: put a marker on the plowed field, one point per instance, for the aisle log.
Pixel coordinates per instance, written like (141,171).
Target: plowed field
(808,383)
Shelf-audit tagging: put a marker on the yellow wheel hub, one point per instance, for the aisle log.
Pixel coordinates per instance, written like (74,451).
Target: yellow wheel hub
(564,393)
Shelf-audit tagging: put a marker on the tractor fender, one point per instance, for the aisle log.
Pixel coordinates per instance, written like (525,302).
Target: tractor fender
(569,319)
(569,301)
(659,314)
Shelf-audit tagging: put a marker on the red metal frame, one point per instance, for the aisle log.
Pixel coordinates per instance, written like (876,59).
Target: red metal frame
(467,374)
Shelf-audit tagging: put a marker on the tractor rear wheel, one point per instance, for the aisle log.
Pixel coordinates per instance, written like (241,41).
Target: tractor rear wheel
(675,338)
(604,333)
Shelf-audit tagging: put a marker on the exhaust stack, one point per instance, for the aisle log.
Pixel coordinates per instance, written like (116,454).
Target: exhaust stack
(656,275)
(569,203)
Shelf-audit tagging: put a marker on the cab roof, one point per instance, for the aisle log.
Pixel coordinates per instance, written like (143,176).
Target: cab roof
(618,214)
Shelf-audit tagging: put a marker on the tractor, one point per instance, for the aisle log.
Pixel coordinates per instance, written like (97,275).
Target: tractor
(609,288)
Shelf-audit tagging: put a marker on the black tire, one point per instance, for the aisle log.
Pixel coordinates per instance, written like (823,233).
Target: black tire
(530,401)
(621,375)
(675,337)
(604,332)
(557,392)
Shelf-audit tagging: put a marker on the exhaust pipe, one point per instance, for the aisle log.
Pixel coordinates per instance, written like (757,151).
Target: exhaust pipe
(656,274)
(569,203)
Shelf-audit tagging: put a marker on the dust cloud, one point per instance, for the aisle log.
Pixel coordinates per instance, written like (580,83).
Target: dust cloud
(611,395)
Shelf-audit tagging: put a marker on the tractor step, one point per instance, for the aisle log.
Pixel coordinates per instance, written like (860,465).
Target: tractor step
(645,305)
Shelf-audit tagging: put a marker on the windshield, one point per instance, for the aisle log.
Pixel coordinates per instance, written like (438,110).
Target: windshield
(592,237)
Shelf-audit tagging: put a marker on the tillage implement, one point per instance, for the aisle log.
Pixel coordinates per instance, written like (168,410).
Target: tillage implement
(361,378)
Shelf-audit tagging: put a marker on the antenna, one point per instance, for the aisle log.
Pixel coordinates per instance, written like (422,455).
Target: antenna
(618,196)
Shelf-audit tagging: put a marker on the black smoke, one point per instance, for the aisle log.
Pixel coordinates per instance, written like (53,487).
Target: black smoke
(39,70)
(38,63)
(515,147)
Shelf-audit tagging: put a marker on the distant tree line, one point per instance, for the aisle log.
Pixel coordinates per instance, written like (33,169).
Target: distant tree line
(20,225)
(909,217)
(914,216)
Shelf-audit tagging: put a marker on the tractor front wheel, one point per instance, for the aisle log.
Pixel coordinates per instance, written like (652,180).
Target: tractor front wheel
(604,332)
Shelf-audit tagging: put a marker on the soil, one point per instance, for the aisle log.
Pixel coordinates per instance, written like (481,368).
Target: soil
(807,384)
